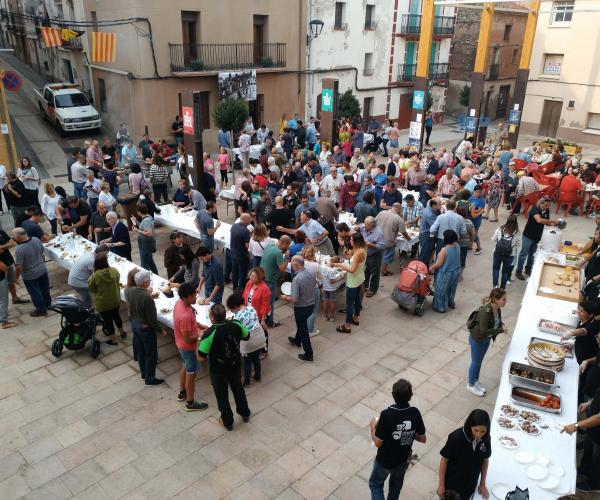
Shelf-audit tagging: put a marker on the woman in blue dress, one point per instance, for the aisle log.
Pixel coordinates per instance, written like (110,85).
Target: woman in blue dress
(447,273)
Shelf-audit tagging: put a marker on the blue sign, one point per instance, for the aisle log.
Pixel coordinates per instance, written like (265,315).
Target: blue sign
(484,121)
(471,124)
(514,117)
(418,99)
(12,81)
(414,142)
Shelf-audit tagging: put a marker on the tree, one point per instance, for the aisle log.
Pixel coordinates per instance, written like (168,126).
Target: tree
(348,105)
(230,114)
(465,96)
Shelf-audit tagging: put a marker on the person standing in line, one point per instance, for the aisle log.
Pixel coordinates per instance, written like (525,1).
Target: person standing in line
(30,178)
(484,328)
(146,237)
(29,260)
(221,345)
(465,458)
(274,262)
(187,332)
(159,178)
(375,241)
(81,271)
(447,276)
(303,298)
(50,201)
(172,256)
(393,434)
(428,127)
(240,260)
(448,220)
(426,241)
(211,277)
(119,241)
(207,226)
(507,240)
(98,227)
(145,326)
(16,196)
(244,143)
(92,188)
(391,223)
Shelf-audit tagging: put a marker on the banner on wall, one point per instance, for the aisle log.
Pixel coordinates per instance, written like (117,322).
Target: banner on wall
(238,85)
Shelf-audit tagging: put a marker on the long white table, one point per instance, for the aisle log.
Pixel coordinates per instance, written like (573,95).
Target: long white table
(75,247)
(559,448)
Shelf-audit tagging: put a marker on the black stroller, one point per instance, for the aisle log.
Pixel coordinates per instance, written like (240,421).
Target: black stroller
(375,146)
(78,326)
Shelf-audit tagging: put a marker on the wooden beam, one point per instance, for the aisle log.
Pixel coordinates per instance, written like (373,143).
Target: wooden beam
(532,18)
(485,28)
(425,38)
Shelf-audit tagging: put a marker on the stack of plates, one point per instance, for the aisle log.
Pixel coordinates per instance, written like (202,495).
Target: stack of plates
(546,355)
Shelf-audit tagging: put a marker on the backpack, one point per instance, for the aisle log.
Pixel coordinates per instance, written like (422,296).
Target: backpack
(472,320)
(503,246)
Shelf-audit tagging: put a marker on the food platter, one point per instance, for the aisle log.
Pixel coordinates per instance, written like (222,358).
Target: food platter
(567,347)
(529,428)
(508,424)
(559,282)
(500,490)
(546,355)
(509,411)
(508,442)
(531,376)
(537,400)
(554,327)
(524,457)
(536,472)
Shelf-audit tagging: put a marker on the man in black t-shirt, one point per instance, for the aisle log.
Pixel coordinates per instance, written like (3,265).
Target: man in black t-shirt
(32,225)
(279,216)
(539,216)
(177,128)
(76,216)
(393,435)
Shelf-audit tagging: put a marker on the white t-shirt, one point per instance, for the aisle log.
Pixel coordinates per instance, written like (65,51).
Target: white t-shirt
(258,247)
(108,200)
(49,204)
(329,184)
(3,178)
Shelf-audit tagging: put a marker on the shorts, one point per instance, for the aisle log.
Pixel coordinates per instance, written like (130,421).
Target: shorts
(190,363)
(393,143)
(388,254)
(329,294)
(11,274)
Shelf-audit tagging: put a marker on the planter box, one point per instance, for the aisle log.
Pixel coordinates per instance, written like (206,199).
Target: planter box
(570,150)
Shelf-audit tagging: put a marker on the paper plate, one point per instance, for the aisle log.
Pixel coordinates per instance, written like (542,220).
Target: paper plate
(508,442)
(563,487)
(556,470)
(550,482)
(500,490)
(543,460)
(286,288)
(536,472)
(524,457)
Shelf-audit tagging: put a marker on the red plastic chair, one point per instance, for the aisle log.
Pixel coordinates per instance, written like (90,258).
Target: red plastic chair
(548,168)
(520,164)
(569,202)
(527,201)
(532,167)
(594,206)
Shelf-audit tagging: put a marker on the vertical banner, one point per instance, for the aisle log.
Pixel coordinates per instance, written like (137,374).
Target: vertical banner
(187,114)
(104,47)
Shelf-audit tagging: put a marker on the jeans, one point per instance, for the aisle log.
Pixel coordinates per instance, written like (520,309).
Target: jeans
(270,317)
(506,263)
(528,249)
(160,190)
(478,350)
(53,225)
(426,243)
(353,303)
(301,315)
(221,383)
(218,298)
(256,261)
(239,273)
(4,300)
(427,135)
(78,189)
(378,477)
(372,268)
(313,317)
(39,290)
(228,264)
(85,296)
(144,347)
(477,225)
(147,261)
(252,360)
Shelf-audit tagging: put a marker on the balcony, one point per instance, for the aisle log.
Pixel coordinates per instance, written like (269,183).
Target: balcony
(226,56)
(410,25)
(437,72)
(494,71)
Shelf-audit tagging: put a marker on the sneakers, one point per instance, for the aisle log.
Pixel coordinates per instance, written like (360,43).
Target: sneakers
(475,390)
(314,334)
(480,387)
(181,396)
(195,406)
(155,381)
(477,252)
(519,275)
(508,282)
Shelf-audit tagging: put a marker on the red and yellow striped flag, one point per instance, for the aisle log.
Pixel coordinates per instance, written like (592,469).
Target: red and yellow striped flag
(51,37)
(104,47)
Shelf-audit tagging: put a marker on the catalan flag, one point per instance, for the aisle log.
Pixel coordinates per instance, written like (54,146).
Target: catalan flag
(67,34)
(104,47)
(51,37)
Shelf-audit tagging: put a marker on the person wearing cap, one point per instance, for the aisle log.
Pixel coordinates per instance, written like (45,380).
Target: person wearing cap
(172,256)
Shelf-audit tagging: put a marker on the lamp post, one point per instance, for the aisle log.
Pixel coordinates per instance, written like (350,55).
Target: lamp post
(315,27)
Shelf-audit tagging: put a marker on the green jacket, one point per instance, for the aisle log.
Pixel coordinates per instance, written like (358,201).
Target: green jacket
(104,284)
(484,327)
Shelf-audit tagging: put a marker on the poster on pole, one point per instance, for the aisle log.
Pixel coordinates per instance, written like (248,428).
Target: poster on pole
(471,124)
(414,134)
(238,85)
(327,100)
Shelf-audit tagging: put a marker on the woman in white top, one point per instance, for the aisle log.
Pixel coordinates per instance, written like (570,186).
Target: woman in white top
(106,197)
(50,200)
(309,252)
(258,242)
(30,178)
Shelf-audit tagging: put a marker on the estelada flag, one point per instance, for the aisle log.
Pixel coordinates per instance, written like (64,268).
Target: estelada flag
(67,34)
(104,47)
(51,37)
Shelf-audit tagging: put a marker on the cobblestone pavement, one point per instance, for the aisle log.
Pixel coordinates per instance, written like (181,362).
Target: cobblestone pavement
(84,428)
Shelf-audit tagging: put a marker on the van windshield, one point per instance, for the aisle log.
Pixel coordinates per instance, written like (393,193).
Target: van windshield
(71,100)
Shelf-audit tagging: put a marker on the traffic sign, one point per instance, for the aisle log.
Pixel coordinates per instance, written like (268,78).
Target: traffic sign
(484,121)
(12,81)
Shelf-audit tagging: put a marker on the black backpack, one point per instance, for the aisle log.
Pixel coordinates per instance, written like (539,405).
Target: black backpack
(503,246)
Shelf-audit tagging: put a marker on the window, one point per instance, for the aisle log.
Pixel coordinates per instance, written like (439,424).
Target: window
(515,56)
(340,11)
(562,12)
(552,64)
(370,17)
(368,67)
(594,121)
(507,30)
(367,107)
(102,95)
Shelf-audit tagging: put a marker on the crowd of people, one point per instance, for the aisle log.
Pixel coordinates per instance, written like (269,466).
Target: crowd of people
(329,219)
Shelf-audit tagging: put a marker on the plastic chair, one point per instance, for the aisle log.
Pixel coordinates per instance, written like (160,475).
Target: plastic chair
(532,167)
(569,202)
(548,168)
(520,164)
(594,206)
(527,201)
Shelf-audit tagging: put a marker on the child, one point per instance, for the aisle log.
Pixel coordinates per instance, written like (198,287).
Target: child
(256,342)
(330,278)
(223,160)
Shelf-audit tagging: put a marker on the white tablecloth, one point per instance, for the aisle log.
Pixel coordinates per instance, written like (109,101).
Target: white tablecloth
(560,448)
(184,222)
(76,247)
(254,151)
(227,194)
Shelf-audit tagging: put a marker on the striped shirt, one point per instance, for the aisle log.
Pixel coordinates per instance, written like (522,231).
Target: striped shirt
(158,174)
(303,288)
(448,186)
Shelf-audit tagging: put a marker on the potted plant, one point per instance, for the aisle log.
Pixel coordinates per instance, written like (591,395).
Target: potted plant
(197,65)
(266,62)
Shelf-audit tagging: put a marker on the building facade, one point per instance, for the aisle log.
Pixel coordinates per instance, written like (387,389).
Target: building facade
(504,52)
(563,92)
(371,48)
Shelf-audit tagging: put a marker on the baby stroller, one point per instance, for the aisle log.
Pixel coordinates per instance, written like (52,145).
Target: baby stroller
(375,146)
(78,325)
(413,287)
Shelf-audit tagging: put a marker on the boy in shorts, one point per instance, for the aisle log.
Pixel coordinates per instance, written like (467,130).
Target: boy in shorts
(330,280)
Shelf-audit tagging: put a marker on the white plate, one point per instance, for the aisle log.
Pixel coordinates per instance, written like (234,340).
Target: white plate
(550,482)
(556,470)
(524,457)
(563,487)
(536,472)
(500,490)
(508,445)
(543,460)
(286,288)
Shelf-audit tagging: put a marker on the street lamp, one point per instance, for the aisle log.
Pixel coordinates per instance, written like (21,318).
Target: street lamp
(315,27)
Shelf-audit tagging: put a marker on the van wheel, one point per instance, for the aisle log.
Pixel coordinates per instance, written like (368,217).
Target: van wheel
(59,129)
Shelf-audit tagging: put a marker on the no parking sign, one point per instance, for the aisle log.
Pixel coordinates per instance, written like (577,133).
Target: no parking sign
(12,81)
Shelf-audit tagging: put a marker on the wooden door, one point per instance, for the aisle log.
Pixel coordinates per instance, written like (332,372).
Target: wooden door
(550,118)
(188,32)
(405,110)
(259,40)
(502,105)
